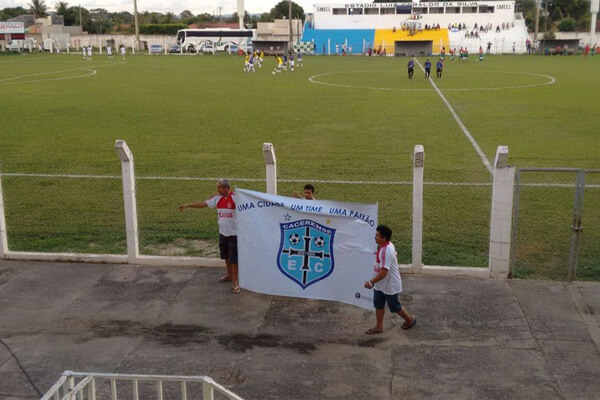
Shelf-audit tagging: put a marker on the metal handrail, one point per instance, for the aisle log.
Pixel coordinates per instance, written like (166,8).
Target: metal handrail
(71,391)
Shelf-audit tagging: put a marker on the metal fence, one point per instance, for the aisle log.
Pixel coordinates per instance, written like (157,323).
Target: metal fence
(551,207)
(93,386)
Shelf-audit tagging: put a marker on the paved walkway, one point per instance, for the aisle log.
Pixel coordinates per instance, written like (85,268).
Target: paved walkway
(476,338)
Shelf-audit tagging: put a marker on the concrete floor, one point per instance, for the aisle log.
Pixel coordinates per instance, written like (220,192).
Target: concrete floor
(476,338)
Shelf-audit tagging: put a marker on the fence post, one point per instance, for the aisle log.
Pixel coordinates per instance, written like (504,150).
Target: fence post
(501,218)
(417,208)
(271,166)
(576,225)
(3,236)
(131,225)
(208,392)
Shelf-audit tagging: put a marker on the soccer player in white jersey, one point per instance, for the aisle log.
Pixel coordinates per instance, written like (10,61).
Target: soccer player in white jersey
(109,51)
(387,284)
(84,52)
(123,51)
(89,53)
(224,202)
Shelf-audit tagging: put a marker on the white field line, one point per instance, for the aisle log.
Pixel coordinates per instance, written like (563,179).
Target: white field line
(462,126)
(15,80)
(314,79)
(337,182)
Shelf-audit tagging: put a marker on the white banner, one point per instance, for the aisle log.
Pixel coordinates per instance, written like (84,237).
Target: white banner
(316,249)
(12,27)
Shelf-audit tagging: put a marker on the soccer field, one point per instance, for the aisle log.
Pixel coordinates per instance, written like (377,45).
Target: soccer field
(347,124)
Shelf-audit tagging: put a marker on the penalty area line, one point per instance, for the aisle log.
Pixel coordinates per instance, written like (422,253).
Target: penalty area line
(462,126)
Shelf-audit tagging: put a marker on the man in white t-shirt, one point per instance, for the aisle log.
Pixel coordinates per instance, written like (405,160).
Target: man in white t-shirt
(387,284)
(224,202)
(109,51)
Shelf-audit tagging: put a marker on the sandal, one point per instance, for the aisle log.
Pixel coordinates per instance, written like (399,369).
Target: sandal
(225,278)
(236,290)
(372,331)
(408,325)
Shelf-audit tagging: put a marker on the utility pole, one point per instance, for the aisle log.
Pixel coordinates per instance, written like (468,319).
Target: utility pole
(80,20)
(137,25)
(291,46)
(537,20)
(594,8)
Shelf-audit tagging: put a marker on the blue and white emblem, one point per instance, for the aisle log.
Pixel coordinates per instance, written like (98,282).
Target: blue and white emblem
(305,251)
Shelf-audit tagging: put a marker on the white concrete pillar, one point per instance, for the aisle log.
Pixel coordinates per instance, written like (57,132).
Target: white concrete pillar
(3,236)
(99,45)
(501,219)
(271,167)
(594,9)
(417,239)
(129,199)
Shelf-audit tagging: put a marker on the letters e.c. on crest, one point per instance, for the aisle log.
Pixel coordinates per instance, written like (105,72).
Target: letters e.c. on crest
(305,251)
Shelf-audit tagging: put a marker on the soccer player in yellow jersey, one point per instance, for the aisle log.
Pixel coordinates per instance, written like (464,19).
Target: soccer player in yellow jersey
(260,58)
(246,62)
(279,64)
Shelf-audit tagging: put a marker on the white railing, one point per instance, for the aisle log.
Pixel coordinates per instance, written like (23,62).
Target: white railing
(83,385)
(499,256)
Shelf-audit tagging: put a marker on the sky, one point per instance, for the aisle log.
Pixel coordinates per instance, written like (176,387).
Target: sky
(195,6)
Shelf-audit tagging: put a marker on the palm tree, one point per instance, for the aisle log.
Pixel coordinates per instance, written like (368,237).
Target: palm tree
(169,18)
(61,7)
(38,8)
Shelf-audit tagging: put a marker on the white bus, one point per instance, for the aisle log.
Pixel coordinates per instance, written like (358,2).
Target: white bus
(215,39)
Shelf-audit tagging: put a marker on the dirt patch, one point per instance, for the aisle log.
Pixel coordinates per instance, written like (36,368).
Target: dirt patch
(229,376)
(166,334)
(241,343)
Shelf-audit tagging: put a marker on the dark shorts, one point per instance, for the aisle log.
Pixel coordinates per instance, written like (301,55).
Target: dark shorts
(228,248)
(380,298)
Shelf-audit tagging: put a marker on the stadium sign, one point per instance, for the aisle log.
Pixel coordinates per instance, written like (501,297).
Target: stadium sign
(12,27)
(506,6)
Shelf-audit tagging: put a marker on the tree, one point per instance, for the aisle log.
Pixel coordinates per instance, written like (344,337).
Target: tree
(281,10)
(61,7)
(266,17)
(38,8)
(567,25)
(169,18)
(560,9)
(71,16)
(9,13)
(186,14)
(206,17)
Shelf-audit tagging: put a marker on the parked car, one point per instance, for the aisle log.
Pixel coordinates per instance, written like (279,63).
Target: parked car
(156,49)
(175,49)
(208,48)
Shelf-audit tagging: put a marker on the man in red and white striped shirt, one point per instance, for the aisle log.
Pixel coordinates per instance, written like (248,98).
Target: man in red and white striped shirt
(224,202)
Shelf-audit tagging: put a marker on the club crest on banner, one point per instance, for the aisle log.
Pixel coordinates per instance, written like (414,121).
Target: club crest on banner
(305,251)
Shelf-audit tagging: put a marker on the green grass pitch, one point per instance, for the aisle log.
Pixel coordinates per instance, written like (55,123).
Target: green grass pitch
(203,117)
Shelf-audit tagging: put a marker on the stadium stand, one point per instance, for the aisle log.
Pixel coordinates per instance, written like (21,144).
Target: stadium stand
(419,28)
